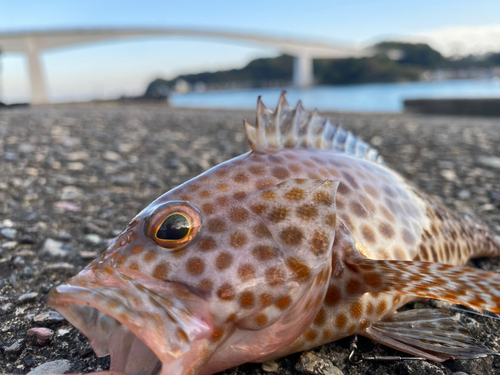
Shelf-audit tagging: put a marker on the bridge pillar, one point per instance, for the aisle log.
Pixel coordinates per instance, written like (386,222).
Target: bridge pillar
(303,75)
(37,80)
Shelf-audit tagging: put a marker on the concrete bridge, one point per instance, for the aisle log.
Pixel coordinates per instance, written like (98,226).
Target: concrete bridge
(33,42)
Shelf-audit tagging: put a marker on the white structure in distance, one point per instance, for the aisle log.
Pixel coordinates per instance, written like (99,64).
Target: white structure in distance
(33,42)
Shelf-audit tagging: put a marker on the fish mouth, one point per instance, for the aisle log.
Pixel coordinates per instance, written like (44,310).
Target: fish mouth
(147,326)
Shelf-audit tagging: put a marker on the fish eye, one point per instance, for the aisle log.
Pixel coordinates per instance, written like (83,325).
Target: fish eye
(175,227)
(173,224)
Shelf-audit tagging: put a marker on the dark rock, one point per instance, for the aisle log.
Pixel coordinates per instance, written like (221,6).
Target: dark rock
(27,239)
(27,273)
(50,318)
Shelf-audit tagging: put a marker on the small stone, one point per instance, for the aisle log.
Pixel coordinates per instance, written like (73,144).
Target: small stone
(449,174)
(7,308)
(7,223)
(464,194)
(270,366)
(122,180)
(313,364)
(55,367)
(66,206)
(69,193)
(487,207)
(52,249)
(18,262)
(39,335)
(490,161)
(10,245)
(112,156)
(51,317)
(4,299)
(27,239)
(88,255)
(61,266)
(26,254)
(85,351)
(27,273)
(27,297)
(64,236)
(15,347)
(9,233)
(77,155)
(76,166)
(62,332)
(93,239)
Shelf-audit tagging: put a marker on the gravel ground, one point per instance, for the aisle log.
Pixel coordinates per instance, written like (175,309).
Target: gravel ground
(71,177)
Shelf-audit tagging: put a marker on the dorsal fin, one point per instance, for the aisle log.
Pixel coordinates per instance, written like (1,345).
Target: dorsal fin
(295,128)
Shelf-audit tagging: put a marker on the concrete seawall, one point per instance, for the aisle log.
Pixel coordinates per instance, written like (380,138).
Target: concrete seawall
(467,107)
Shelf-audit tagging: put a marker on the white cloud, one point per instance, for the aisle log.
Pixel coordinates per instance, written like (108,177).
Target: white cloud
(461,40)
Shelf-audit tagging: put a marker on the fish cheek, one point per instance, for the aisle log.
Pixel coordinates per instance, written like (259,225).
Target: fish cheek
(301,219)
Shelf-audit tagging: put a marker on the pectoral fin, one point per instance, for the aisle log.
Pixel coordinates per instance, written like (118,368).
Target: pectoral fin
(427,333)
(461,285)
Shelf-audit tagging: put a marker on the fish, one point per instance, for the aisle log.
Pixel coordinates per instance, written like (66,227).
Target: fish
(306,239)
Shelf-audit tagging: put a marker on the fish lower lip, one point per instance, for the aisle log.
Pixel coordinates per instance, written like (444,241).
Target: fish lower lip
(107,335)
(129,320)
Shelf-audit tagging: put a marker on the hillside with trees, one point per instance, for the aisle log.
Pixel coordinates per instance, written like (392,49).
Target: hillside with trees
(393,62)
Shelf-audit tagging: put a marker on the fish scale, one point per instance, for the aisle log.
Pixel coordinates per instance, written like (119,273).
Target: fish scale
(305,240)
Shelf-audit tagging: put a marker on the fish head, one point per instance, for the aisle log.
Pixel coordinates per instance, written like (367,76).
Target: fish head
(183,276)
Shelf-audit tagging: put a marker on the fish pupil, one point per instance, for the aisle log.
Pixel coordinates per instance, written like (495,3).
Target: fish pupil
(175,227)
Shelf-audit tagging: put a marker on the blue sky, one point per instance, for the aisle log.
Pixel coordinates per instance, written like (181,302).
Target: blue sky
(110,69)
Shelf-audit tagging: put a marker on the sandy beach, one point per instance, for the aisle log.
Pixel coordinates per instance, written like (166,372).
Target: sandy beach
(72,176)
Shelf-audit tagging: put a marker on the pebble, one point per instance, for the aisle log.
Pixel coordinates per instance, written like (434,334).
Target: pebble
(25,254)
(7,308)
(85,351)
(27,239)
(19,262)
(62,332)
(14,348)
(76,155)
(7,223)
(112,156)
(51,317)
(61,266)
(4,299)
(122,180)
(490,161)
(270,366)
(64,236)
(10,245)
(312,364)
(87,255)
(55,367)
(93,239)
(27,297)
(9,233)
(27,273)
(52,250)
(70,193)
(39,335)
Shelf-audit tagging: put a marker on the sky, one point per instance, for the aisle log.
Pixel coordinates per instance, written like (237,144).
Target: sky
(110,69)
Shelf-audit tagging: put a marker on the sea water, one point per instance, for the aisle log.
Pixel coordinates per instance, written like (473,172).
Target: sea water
(379,97)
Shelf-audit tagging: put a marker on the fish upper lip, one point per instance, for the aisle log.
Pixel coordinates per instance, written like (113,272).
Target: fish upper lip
(108,304)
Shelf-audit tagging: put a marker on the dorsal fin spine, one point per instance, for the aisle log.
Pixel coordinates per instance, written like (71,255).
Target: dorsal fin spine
(295,128)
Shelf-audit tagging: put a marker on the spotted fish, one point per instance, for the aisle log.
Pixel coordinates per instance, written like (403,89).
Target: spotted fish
(304,240)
